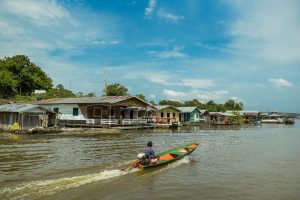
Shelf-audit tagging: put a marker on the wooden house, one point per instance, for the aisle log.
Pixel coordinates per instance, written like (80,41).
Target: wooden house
(205,117)
(189,114)
(220,118)
(27,116)
(248,116)
(271,118)
(103,110)
(166,114)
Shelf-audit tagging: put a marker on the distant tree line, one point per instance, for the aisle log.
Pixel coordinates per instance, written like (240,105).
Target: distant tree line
(19,78)
(211,106)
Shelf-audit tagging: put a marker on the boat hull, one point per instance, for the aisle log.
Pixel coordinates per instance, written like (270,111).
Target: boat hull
(166,157)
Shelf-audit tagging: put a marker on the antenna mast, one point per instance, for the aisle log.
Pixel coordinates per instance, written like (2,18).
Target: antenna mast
(105,76)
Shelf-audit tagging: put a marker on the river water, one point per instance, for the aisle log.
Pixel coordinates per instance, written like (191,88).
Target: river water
(248,162)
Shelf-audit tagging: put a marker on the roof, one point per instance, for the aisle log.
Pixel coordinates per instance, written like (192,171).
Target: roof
(274,115)
(221,114)
(165,106)
(203,111)
(89,100)
(20,107)
(187,109)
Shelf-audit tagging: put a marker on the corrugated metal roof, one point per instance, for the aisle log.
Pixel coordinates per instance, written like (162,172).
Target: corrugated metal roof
(89,100)
(274,115)
(203,111)
(165,106)
(19,107)
(187,109)
(221,113)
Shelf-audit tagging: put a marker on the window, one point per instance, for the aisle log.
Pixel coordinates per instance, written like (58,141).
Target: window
(97,112)
(162,114)
(56,110)
(75,111)
(174,115)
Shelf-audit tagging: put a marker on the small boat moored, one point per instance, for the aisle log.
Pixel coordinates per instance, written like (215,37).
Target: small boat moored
(165,157)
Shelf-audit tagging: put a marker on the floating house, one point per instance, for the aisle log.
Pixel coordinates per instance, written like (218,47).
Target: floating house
(220,118)
(248,116)
(100,111)
(205,117)
(271,118)
(166,114)
(189,114)
(27,116)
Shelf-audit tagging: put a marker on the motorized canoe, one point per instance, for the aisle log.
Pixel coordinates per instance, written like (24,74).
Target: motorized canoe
(165,157)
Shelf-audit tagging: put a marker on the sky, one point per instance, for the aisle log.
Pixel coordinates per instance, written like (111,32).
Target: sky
(217,50)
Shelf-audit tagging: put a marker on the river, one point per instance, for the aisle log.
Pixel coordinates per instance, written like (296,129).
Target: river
(247,162)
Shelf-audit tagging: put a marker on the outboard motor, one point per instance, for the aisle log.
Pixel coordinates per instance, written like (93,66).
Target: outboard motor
(140,156)
(143,159)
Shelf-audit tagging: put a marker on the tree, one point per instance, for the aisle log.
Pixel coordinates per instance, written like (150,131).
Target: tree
(28,76)
(239,106)
(170,103)
(80,94)
(230,104)
(211,106)
(115,89)
(7,85)
(153,103)
(91,94)
(141,96)
(58,92)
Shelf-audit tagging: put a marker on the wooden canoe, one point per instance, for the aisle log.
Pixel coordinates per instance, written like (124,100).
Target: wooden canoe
(166,157)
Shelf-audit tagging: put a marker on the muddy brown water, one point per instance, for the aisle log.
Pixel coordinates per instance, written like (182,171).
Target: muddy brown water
(244,162)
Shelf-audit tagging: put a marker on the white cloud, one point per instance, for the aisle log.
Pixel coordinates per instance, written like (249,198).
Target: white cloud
(199,83)
(267,29)
(161,78)
(174,53)
(41,13)
(150,8)
(260,85)
(173,95)
(237,99)
(201,95)
(168,17)
(152,96)
(48,26)
(279,82)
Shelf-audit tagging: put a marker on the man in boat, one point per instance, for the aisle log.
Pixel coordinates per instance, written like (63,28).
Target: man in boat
(150,154)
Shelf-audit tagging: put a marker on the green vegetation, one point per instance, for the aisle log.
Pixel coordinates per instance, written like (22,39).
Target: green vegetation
(115,89)
(19,76)
(58,92)
(211,106)
(141,96)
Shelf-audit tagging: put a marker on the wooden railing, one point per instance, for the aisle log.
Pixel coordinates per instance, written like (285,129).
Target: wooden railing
(133,121)
(109,121)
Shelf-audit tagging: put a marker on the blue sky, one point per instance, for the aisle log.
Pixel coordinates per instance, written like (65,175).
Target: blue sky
(166,49)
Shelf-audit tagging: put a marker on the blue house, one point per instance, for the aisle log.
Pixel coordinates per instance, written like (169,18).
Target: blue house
(190,114)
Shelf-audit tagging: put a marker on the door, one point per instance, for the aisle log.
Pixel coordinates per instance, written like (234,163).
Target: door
(131,114)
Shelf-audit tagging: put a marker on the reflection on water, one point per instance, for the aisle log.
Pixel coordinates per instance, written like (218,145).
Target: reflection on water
(254,162)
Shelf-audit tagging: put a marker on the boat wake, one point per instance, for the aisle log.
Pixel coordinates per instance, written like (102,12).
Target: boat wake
(42,188)
(39,189)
